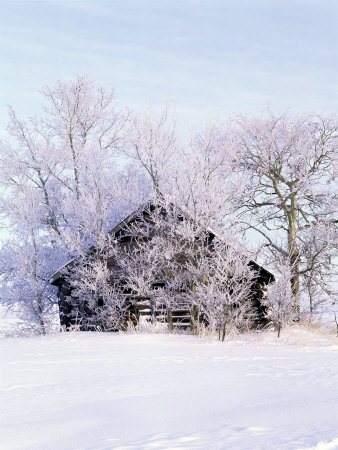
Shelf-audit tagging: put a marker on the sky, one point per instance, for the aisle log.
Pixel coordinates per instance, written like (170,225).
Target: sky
(207,59)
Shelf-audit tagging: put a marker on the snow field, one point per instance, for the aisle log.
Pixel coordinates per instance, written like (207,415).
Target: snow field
(161,391)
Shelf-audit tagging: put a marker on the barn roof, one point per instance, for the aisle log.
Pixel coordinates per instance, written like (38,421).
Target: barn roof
(59,273)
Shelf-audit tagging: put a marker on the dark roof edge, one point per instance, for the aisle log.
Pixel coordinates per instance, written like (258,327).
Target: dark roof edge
(58,274)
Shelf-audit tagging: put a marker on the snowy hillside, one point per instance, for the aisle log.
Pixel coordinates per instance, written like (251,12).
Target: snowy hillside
(113,391)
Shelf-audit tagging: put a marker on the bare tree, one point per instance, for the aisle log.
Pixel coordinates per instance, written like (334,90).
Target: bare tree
(152,143)
(26,262)
(223,280)
(153,261)
(291,165)
(25,288)
(60,177)
(181,265)
(52,152)
(279,300)
(319,249)
(100,302)
(204,182)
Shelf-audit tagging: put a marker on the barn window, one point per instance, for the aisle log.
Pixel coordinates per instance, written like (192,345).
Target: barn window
(157,285)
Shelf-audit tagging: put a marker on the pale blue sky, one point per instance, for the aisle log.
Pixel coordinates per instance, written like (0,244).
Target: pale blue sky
(206,58)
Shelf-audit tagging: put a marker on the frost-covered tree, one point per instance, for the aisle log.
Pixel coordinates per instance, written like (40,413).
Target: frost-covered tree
(27,260)
(153,261)
(60,175)
(100,300)
(319,251)
(291,166)
(196,173)
(72,144)
(205,183)
(25,288)
(280,300)
(152,143)
(178,263)
(222,281)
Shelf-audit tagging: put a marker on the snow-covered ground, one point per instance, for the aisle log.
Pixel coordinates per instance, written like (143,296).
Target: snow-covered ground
(162,391)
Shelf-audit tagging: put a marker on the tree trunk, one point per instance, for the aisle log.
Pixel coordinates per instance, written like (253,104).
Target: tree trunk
(170,319)
(294,256)
(295,282)
(309,290)
(224,331)
(197,318)
(42,323)
(194,319)
(193,313)
(152,305)
(192,323)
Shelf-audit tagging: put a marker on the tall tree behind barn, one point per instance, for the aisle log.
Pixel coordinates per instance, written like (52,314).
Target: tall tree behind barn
(291,195)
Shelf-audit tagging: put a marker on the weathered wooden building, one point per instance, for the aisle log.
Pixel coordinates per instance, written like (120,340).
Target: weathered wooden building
(71,309)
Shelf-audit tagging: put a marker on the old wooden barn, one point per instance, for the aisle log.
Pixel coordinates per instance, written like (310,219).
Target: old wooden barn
(72,309)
